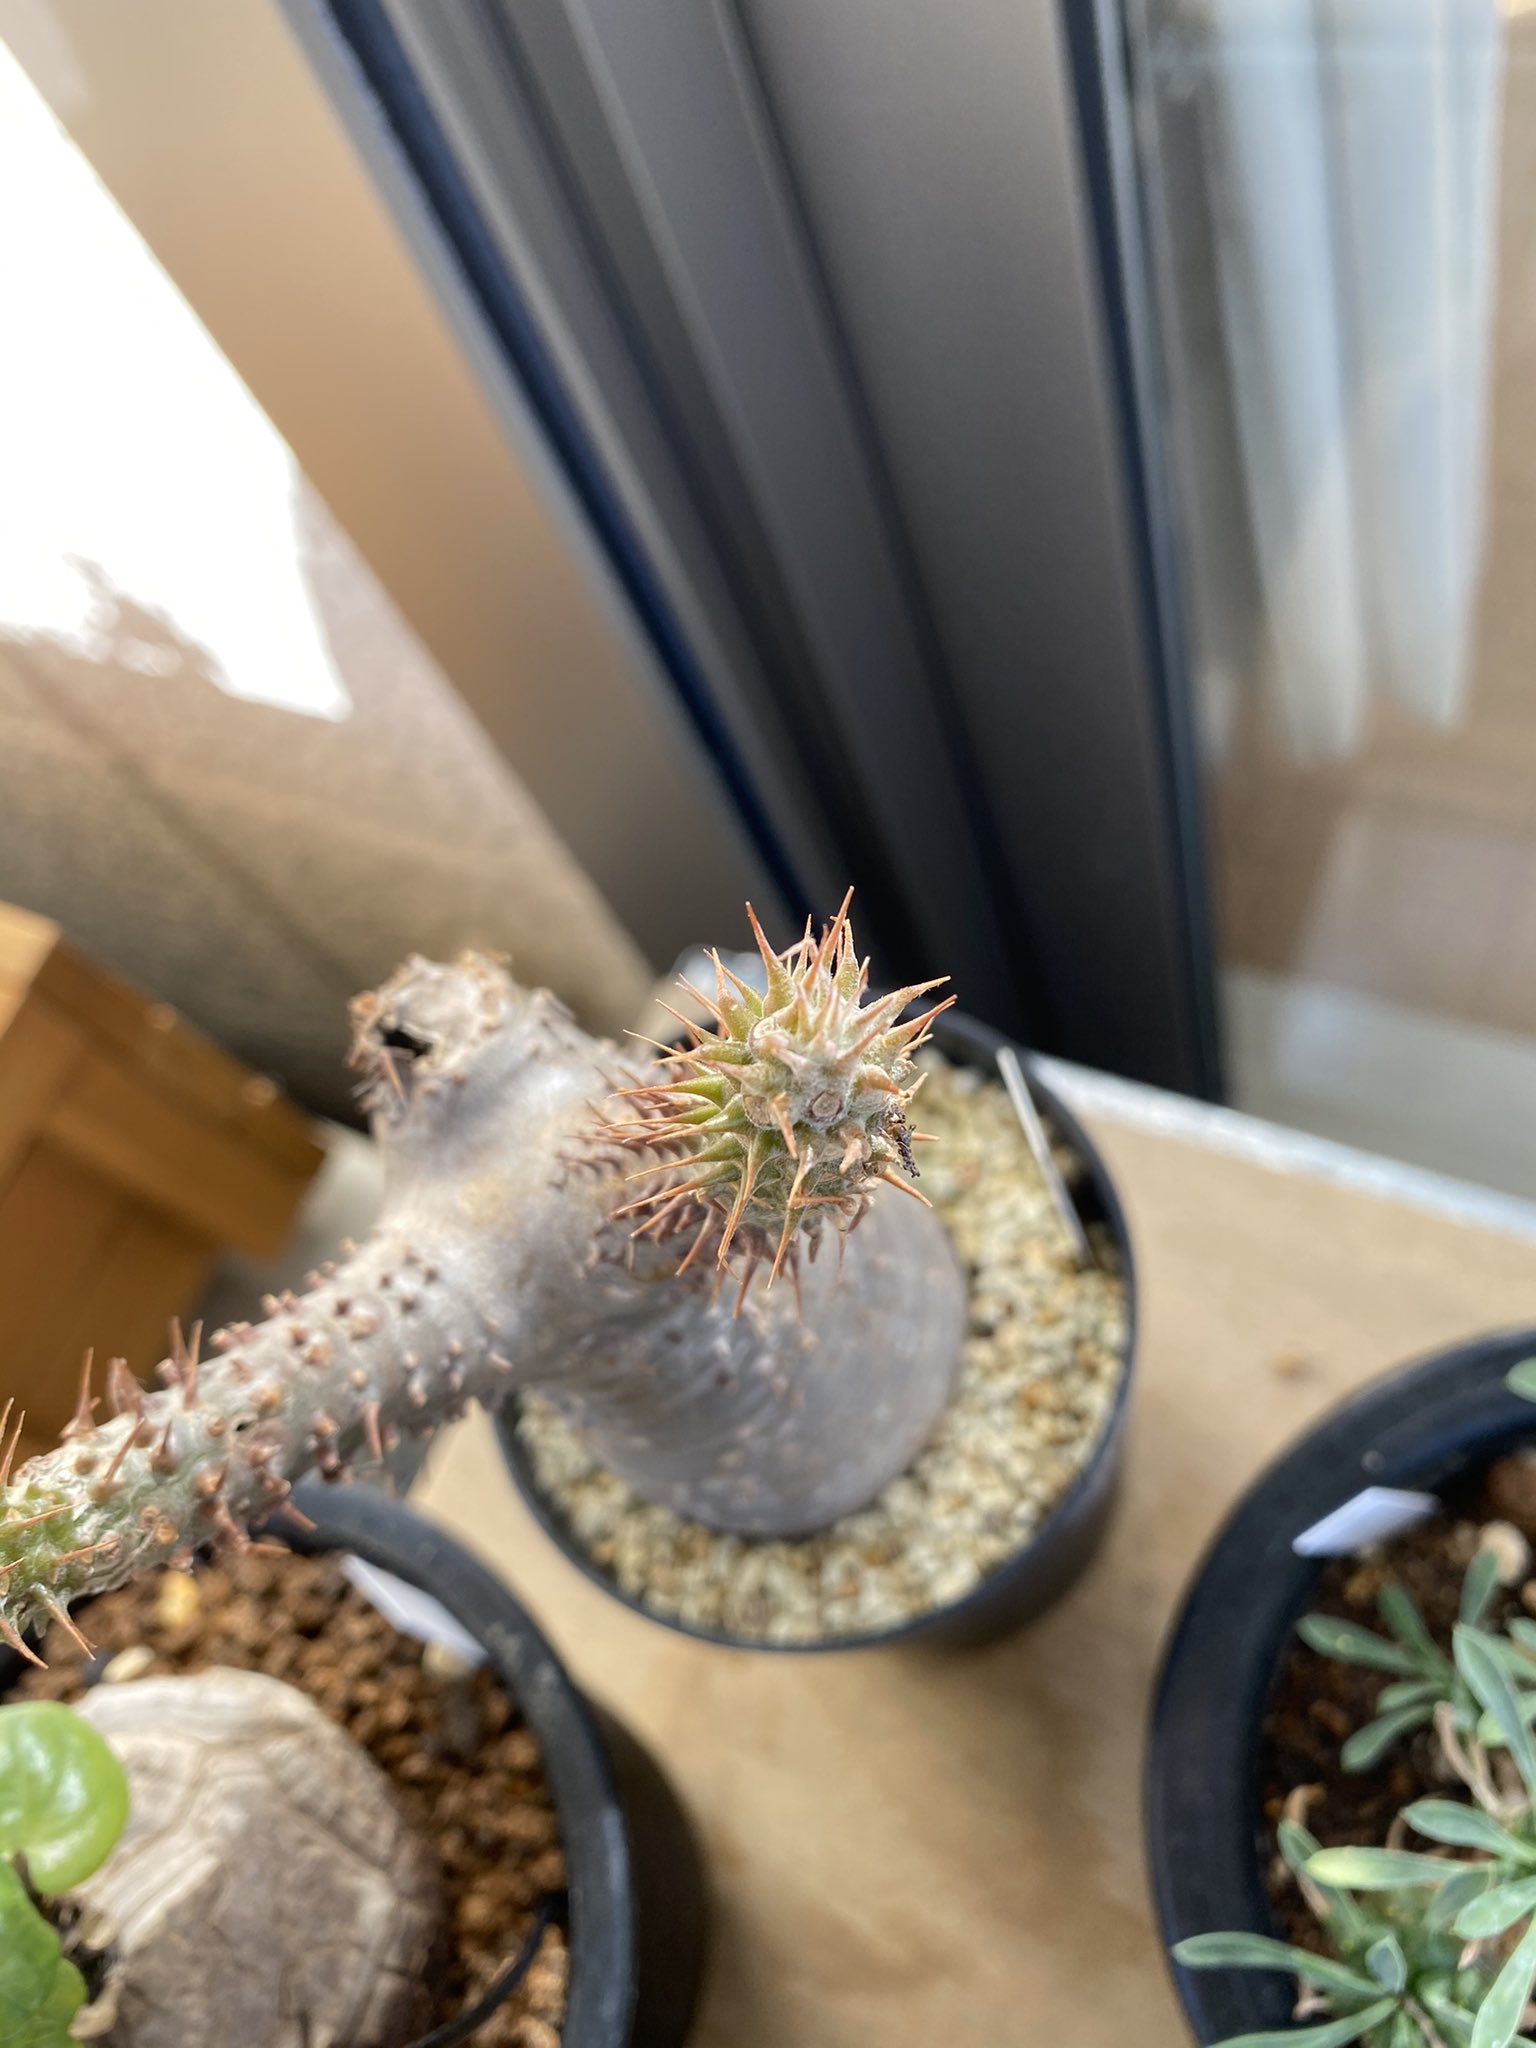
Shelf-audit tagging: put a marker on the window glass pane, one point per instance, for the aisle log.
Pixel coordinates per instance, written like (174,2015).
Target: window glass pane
(1340,205)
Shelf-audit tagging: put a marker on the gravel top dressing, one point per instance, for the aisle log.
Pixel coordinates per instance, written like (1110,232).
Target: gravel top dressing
(1042,1363)
(463,1768)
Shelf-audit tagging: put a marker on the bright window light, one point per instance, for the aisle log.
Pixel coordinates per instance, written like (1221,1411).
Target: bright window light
(129,444)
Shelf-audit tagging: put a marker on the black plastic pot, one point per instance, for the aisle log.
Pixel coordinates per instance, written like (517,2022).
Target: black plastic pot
(1419,1428)
(1020,1588)
(636,1900)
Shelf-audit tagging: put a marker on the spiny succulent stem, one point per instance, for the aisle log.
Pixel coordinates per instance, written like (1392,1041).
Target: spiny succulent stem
(528,1240)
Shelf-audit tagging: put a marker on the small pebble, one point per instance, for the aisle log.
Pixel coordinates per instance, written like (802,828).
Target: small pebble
(128,1665)
(1511,1486)
(178,1601)
(1511,1551)
(443,1665)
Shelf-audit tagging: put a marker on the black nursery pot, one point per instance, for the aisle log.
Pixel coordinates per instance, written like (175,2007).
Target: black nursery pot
(636,1900)
(1024,1585)
(1419,1428)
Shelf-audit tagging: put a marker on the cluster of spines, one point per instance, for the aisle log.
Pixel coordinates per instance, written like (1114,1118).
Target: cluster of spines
(782,1118)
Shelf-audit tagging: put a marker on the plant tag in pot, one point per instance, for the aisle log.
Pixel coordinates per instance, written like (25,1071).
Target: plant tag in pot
(1370,1516)
(413,1612)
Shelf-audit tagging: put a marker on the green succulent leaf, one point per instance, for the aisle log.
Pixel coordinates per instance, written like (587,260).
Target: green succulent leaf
(1346,1922)
(1488,1731)
(1477,1588)
(40,1989)
(1260,1952)
(1413,1692)
(1478,1662)
(1466,1827)
(1470,1883)
(1399,1610)
(63,1794)
(1498,2017)
(1332,2034)
(1352,1644)
(1497,1909)
(1296,1844)
(1453,2020)
(1387,1964)
(1523,1632)
(1378,1870)
(1521,1379)
(1368,1745)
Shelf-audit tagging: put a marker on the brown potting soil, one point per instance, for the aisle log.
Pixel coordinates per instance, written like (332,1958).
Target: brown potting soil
(1317,1702)
(462,1765)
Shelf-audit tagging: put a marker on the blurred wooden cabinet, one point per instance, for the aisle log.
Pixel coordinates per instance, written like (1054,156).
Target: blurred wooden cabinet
(132,1151)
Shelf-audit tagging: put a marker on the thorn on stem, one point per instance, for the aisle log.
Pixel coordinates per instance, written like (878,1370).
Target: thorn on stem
(9,1452)
(62,1617)
(16,1643)
(123,1390)
(83,1421)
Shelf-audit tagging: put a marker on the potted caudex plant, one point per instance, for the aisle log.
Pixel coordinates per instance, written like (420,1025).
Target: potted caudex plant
(1342,1772)
(918,1426)
(914,1435)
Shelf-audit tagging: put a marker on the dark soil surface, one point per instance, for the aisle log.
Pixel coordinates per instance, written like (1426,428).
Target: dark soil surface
(461,1764)
(1317,1702)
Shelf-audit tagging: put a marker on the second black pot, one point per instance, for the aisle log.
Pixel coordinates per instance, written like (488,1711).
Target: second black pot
(635,1885)
(1024,1585)
(1420,1428)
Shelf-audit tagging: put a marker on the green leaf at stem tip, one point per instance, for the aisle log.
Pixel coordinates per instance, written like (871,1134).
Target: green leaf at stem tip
(1368,1745)
(1352,1644)
(1296,1844)
(1521,1379)
(1466,1827)
(1332,2034)
(1399,1610)
(63,1794)
(40,1989)
(1261,1952)
(1378,1870)
(1477,1587)
(1478,1661)
(1498,2017)
(1387,1964)
(1480,1919)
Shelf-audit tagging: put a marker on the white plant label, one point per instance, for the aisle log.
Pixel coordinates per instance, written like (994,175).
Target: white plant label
(411,1611)
(1370,1516)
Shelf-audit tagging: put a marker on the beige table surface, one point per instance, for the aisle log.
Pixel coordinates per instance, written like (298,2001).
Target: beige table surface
(907,1848)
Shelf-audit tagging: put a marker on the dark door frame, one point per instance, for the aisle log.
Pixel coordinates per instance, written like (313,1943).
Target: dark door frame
(910,603)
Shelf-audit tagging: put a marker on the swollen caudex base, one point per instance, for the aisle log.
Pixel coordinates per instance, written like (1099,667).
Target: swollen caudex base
(775,1423)
(525,1243)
